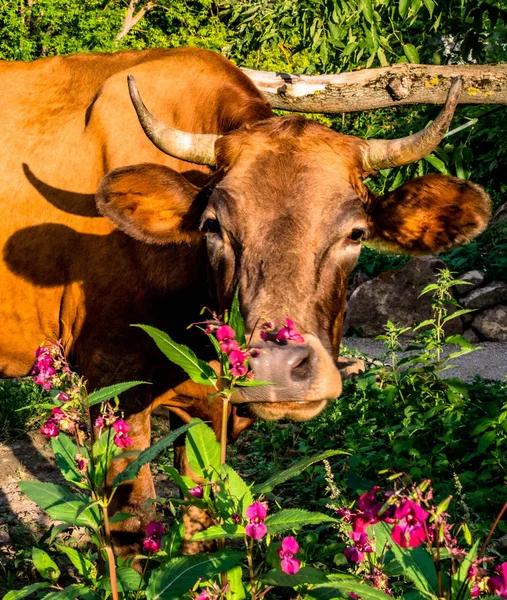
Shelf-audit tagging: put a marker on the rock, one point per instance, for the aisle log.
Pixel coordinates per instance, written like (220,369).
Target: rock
(474,278)
(492,323)
(394,296)
(471,336)
(500,215)
(350,366)
(357,280)
(484,297)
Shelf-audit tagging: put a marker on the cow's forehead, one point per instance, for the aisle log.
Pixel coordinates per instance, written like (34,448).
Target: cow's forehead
(273,179)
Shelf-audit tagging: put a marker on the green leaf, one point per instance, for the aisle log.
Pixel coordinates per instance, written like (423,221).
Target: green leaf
(203,450)
(339,589)
(61,504)
(486,440)
(307,575)
(149,454)
(26,591)
(76,590)
(112,391)
(349,48)
(434,161)
(104,450)
(367,10)
(293,471)
(236,320)
(119,517)
(237,488)
(417,566)
(227,531)
(172,541)
(295,518)
(126,578)
(460,578)
(253,383)
(235,579)
(65,450)
(83,566)
(430,5)
(403,8)
(198,370)
(412,55)
(180,574)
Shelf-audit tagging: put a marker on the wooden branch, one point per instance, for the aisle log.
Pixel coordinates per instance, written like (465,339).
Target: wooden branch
(379,88)
(131,19)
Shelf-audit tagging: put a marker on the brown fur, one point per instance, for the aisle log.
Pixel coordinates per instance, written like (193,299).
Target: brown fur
(287,192)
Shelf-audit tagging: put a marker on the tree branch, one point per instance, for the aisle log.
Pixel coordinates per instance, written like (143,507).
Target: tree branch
(379,88)
(131,19)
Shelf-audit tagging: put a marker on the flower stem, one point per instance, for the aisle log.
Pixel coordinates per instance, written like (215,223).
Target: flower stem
(485,545)
(250,568)
(109,551)
(223,436)
(142,576)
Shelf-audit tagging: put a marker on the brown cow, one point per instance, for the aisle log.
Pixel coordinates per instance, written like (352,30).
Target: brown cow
(281,216)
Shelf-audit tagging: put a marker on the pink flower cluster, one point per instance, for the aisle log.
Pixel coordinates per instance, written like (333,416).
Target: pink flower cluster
(120,427)
(154,531)
(409,520)
(286,333)
(238,359)
(496,584)
(67,420)
(50,369)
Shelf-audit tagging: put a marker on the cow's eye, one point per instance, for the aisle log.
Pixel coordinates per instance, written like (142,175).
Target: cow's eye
(357,234)
(211,226)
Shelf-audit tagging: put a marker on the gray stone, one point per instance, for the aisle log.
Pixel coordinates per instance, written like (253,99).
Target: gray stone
(395,296)
(471,336)
(492,324)
(484,297)
(474,279)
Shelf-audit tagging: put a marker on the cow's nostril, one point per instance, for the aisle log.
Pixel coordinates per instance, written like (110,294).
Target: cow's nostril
(301,370)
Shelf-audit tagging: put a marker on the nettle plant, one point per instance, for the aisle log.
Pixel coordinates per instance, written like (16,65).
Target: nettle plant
(398,543)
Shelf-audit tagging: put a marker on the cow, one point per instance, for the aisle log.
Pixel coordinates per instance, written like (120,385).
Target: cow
(114,214)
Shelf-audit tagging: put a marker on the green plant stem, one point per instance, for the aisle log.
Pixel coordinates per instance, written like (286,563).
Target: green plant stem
(109,551)
(223,436)
(250,567)
(142,576)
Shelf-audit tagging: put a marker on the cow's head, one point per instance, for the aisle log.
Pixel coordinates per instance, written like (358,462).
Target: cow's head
(283,218)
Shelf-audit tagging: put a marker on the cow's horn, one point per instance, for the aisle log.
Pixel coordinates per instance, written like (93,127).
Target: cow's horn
(384,154)
(198,148)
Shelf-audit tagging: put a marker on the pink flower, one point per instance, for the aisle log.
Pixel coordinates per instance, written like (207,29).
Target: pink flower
(498,583)
(196,491)
(58,415)
(475,591)
(289,333)
(344,514)
(50,429)
(122,440)
(354,595)
(63,397)
(229,346)
(99,422)
(154,531)
(410,530)
(121,426)
(289,564)
(225,333)
(237,361)
(353,554)
(256,513)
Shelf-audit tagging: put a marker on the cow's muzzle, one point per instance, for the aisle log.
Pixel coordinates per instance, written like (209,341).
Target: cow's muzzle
(303,378)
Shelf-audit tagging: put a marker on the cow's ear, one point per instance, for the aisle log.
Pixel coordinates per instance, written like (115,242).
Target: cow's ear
(151,203)
(428,215)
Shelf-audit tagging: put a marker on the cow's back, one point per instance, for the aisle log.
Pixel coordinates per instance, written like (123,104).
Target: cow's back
(64,123)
